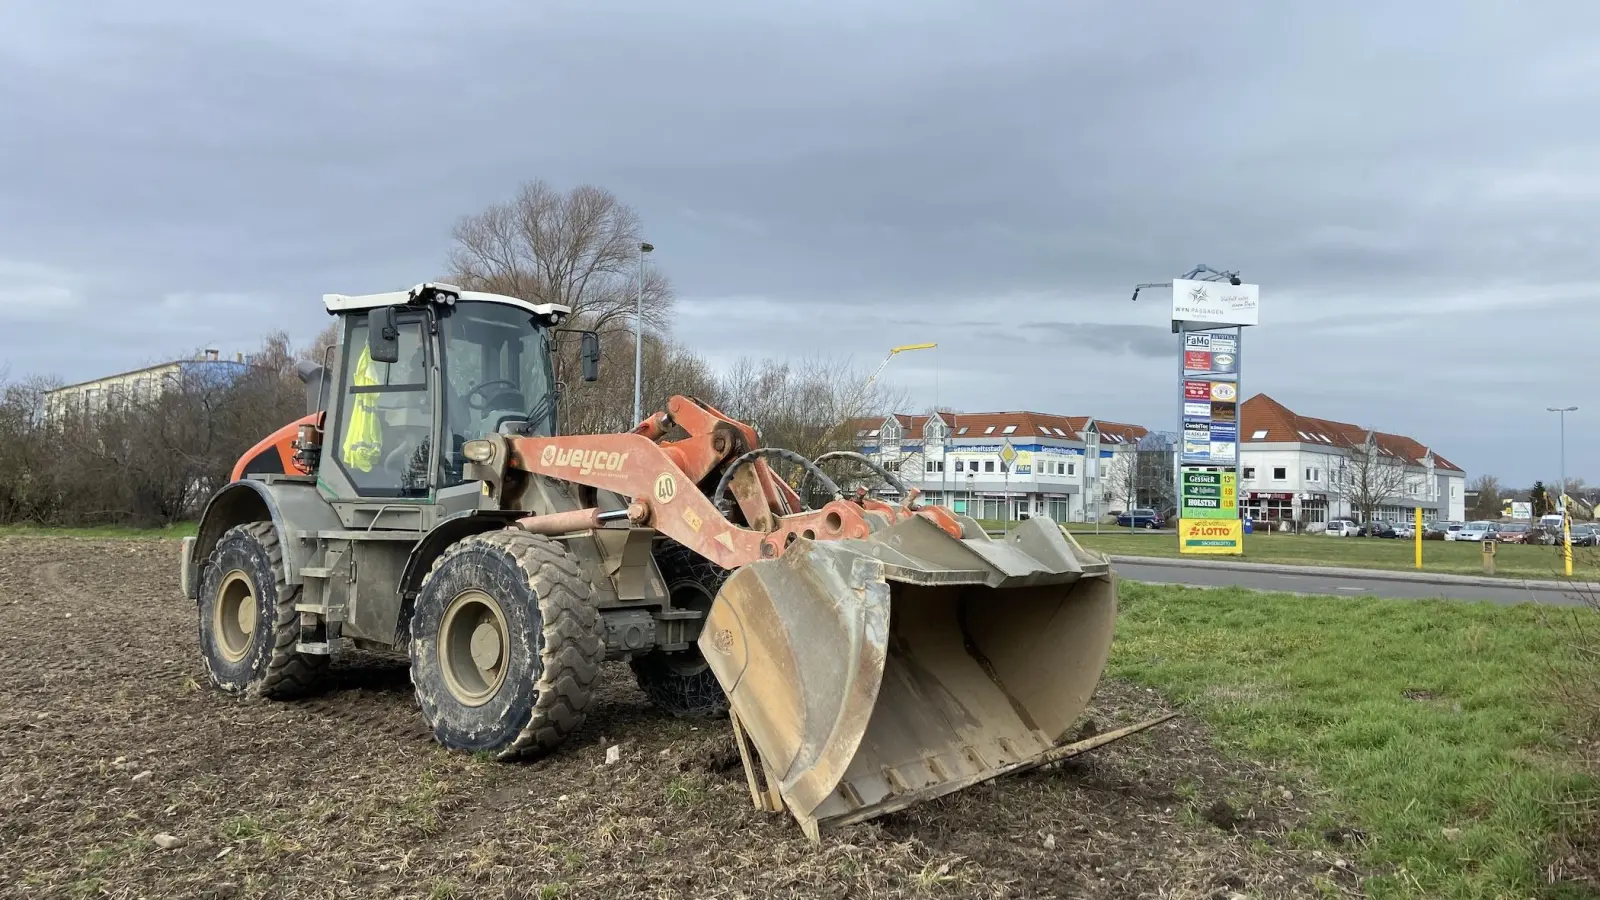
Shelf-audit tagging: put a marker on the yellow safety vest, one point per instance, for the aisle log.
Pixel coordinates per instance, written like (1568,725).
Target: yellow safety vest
(363,435)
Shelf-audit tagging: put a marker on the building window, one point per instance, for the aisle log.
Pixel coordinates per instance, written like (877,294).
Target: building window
(989,430)
(1280,474)
(1009,429)
(988,465)
(1313,475)
(1072,468)
(959,464)
(1454,489)
(935,465)
(872,433)
(960,431)
(1249,471)
(1258,435)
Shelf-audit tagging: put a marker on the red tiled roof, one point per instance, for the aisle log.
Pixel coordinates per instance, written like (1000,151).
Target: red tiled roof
(1028,424)
(1281,424)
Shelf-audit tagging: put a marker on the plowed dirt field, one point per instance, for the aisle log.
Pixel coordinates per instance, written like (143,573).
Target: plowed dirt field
(110,737)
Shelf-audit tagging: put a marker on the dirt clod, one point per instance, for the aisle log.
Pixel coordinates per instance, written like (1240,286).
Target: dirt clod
(261,794)
(1221,814)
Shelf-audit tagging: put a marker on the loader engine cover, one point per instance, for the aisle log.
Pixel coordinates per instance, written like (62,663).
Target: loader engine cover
(875,673)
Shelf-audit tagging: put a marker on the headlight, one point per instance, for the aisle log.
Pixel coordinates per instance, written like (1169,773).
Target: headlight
(479,451)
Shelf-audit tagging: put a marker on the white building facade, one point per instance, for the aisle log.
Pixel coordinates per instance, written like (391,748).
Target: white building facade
(954,460)
(1305,471)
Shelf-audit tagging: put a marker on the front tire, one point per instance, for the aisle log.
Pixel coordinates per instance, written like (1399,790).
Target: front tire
(680,682)
(248,623)
(505,645)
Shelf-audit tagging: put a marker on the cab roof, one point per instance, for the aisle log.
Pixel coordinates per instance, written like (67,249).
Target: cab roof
(439,292)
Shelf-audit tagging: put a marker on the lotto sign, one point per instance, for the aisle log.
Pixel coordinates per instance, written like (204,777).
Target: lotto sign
(1211,536)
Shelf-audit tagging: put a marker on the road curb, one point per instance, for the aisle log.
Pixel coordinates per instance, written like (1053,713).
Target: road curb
(1371,574)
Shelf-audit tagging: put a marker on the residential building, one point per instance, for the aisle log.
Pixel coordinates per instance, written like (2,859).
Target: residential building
(1307,470)
(954,460)
(140,385)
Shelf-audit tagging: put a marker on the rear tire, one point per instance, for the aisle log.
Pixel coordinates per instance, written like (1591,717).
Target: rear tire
(505,645)
(248,623)
(680,682)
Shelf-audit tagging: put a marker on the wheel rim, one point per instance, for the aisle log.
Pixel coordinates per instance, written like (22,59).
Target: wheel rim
(474,647)
(233,617)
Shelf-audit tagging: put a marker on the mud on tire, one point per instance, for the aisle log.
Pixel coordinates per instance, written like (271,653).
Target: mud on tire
(680,682)
(538,601)
(248,624)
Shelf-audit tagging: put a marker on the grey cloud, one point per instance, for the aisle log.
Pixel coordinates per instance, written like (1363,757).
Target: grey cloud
(834,177)
(1146,341)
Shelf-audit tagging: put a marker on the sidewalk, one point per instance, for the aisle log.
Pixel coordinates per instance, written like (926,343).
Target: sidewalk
(1343,571)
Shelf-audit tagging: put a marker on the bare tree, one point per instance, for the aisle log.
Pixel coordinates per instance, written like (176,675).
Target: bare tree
(579,248)
(1371,477)
(1119,481)
(1488,505)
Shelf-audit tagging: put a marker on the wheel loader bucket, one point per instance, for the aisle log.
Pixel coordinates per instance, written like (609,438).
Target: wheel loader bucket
(876,673)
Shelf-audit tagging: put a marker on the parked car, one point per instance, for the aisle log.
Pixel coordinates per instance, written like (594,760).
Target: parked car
(1515,533)
(1376,529)
(1140,518)
(1405,530)
(1585,535)
(1341,528)
(1452,530)
(1478,531)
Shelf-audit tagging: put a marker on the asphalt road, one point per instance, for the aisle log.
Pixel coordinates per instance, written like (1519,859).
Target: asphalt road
(1309,581)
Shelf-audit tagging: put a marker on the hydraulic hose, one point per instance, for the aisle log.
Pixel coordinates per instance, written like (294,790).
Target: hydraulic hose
(880,471)
(763,452)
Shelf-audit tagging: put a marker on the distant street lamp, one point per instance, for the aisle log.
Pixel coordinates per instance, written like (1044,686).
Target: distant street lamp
(638,338)
(1561,490)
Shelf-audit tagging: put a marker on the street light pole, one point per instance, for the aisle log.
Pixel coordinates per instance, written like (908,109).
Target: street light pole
(638,338)
(1561,489)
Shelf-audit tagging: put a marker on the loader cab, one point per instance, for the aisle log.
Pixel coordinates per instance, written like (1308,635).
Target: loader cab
(419,374)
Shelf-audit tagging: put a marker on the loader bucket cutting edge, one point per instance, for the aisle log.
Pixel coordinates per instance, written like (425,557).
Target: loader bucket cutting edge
(873,674)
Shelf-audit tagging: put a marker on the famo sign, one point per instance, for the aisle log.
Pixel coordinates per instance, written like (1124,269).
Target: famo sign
(1221,536)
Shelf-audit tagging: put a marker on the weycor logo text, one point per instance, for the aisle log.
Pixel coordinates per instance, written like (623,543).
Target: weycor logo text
(585,461)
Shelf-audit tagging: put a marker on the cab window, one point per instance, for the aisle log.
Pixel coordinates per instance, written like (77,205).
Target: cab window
(385,414)
(497,363)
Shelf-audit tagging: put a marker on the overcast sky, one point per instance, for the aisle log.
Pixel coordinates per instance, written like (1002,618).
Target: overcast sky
(1413,185)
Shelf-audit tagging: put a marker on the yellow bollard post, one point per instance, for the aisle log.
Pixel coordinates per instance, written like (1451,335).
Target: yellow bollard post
(1488,557)
(1418,537)
(1566,536)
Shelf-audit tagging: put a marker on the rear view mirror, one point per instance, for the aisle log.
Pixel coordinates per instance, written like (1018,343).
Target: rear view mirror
(589,353)
(383,336)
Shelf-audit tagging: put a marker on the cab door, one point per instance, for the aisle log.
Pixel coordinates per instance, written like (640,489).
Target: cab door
(378,455)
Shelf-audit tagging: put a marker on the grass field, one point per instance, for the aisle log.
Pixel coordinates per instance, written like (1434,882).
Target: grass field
(1422,721)
(1511,560)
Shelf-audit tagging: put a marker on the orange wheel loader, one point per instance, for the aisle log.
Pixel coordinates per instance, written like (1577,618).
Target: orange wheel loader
(870,654)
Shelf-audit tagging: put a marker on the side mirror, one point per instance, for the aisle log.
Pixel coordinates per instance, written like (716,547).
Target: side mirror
(383,336)
(589,353)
